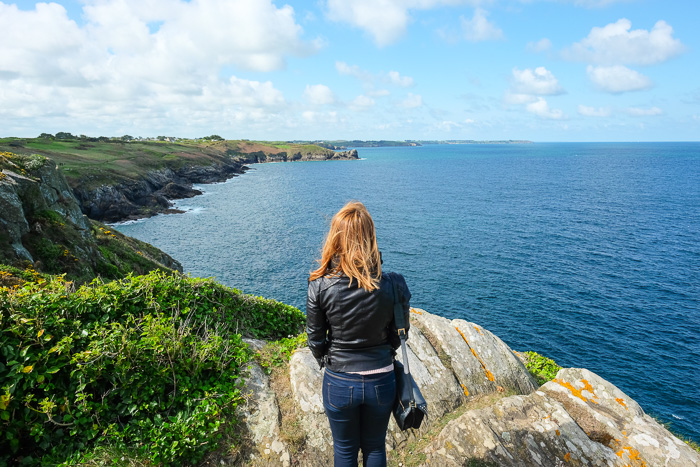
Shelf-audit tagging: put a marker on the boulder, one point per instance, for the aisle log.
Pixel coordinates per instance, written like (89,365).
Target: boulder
(306,380)
(522,431)
(260,417)
(437,383)
(611,417)
(13,222)
(482,363)
(579,419)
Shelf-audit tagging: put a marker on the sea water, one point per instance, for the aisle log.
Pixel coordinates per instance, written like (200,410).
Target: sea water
(586,253)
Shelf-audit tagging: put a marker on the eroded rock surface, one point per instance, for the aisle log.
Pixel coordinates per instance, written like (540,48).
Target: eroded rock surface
(518,431)
(579,419)
(261,417)
(615,419)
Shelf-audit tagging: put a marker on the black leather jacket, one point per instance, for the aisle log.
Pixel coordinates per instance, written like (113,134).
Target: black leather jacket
(350,329)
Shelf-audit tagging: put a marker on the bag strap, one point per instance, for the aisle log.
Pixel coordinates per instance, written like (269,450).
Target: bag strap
(400,321)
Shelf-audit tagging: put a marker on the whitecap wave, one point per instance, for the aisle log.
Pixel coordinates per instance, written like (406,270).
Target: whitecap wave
(677,417)
(191,209)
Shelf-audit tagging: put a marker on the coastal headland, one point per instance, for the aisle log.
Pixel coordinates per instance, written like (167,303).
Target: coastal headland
(124,178)
(108,352)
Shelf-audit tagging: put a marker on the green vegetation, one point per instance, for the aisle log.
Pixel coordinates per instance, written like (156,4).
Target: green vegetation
(542,368)
(57,245)
(147,365)
(91,162)
(277,354)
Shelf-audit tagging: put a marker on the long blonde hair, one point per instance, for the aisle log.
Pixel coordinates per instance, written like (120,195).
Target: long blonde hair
(351,248)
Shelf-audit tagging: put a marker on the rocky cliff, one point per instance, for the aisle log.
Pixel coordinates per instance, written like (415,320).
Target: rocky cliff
(152,192)
(42,227)
(484,409)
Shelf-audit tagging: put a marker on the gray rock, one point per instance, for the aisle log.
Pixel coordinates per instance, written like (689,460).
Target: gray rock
(614,419)
(580,419)
(497,359)
(481,361)
(522,431)
(13,222)
(306,380)
(260,416)
(437,384)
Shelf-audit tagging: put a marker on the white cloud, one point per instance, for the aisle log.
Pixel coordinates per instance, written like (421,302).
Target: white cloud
(447,125)
(594,112)
(362,103)
(538,82)
(384,20)
(616,44)
(319,94)
(378,93)
(479,28)
(518,99)
(541,109)
(353,70)
(541,45)
(641,112)
(393,77)
(617,79)
(412,101)
(403,81)
(132,61)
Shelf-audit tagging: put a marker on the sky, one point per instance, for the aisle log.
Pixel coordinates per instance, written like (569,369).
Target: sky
(539,70)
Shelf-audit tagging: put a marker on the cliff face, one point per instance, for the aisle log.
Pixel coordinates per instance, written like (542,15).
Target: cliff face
(498,414)
(152,193)
(41,225)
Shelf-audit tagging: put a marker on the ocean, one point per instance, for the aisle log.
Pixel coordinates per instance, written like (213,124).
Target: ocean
(588,253)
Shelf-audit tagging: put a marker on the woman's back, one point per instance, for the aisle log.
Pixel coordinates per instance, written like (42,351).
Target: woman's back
(351,331)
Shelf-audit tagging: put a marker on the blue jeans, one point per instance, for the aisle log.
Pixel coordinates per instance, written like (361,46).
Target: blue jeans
(358,409)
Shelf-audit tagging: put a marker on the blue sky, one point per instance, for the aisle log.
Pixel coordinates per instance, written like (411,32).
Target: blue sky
(543,70)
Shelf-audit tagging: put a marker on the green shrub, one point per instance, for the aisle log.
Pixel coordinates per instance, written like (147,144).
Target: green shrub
(542,368)
(278,353)
(147,364)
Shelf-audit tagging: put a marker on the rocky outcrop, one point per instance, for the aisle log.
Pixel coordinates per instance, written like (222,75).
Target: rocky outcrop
(29,187)
(283,156)
(578,419)
(42,226)
(153,192)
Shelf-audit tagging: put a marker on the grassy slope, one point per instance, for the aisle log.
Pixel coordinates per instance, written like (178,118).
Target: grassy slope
(98,163)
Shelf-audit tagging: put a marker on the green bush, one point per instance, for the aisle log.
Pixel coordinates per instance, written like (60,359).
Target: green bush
(278,353)
(542,368)
(148,364)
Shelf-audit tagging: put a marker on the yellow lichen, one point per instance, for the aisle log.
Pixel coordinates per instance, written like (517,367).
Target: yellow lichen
(466,391)
(416,311)
(557,432)
(578,392)
(478,330)
(489,375)
(622,403)
(567,457)
(633,456)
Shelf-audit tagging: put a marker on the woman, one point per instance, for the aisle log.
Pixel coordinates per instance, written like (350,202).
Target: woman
(351,331)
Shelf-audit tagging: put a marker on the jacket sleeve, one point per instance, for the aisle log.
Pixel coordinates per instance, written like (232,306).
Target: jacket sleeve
(316,324)
(405,299)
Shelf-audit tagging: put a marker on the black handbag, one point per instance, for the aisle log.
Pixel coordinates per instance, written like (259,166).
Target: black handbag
(409,407)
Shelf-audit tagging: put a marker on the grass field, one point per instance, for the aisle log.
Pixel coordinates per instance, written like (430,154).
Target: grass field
(95,163)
